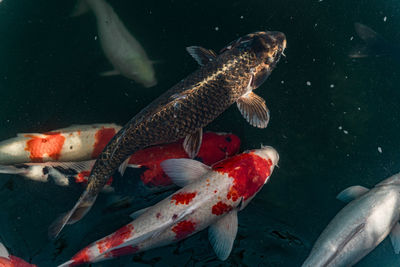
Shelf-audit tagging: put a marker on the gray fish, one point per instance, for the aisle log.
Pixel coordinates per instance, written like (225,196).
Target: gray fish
(120,47)
(374,44)
(360,226)
(186,108)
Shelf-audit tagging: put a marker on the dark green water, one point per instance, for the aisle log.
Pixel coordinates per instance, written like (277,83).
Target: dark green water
(327,133)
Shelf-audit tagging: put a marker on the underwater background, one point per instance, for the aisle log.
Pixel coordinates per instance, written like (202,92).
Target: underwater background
(335,121)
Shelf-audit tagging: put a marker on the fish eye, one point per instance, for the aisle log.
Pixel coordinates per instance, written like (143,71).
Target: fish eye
(228,139)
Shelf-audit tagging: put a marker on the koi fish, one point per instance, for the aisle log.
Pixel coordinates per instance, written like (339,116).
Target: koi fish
(74,143)
(7,260)
(183,110)
(374,44)
(360,226)
(210,197)
(214,147)
(122,49)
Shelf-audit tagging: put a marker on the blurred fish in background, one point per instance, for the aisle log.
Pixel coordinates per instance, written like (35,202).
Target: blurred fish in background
(122,49)
(374,44)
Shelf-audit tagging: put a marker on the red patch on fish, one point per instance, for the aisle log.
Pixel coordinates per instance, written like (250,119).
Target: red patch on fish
(13,261)
(122,251)
(249,172)
(115,239)
(183,229)
(214,147)
(102,137)
(81,257)
(82,177)
(49,146)
(183,198)
(221,208)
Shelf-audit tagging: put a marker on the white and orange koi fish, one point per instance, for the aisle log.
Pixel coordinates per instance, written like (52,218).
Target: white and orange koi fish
(74,143)
(210,197)
(7,260)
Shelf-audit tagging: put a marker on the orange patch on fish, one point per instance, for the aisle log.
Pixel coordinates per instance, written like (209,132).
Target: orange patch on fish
(221,208)
(183,229)
(49,146)
(115,239)
(102,137)
(183,198)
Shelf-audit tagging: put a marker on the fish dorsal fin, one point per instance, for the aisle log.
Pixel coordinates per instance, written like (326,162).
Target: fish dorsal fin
(137,213)
(3,251)
(395,238)
(254,109)
(201,55)
(352,193)
(123,166)
(192,143)
(222,234)
(184,171)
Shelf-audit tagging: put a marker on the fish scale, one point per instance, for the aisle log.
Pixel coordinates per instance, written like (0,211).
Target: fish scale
(200,98)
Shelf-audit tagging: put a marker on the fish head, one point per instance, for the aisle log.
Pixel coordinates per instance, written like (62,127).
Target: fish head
(231,144)
(270,155)
(264,50)
(249,172)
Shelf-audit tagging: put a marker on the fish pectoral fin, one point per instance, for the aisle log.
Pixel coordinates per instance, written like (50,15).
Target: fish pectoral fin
(395,238)
(110,73)
(137,213)
(201,55)
(222,234)
(352,193)
(3,251)
(254,109)
(184,171)
(192,143)
(122,167)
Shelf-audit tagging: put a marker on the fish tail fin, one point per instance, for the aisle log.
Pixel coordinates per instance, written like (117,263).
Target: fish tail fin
(83,205)
(81,8)
(374,43)
(10,169)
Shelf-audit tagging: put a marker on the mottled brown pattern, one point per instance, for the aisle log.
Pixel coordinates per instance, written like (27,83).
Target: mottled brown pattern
(189,105)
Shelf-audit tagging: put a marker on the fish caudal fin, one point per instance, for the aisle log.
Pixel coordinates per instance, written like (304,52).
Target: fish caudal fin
(80,8)
(374,43)
(83,205)
(10,169)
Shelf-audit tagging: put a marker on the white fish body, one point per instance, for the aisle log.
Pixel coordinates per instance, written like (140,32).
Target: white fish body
(210,197)
(123,51)
(360,226)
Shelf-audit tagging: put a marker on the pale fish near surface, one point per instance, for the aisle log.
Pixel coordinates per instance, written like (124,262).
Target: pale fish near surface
(360,226)
(122,50)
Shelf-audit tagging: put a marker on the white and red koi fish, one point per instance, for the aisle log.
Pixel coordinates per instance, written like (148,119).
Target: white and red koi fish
(214,147)
(74,143)
(211,197)
(7,260)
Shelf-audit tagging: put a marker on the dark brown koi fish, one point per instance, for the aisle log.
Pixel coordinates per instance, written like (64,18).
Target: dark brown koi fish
(182,111)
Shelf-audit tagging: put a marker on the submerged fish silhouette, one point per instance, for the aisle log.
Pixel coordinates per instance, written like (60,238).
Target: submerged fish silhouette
(374,44)
(120,47)
(186,108)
